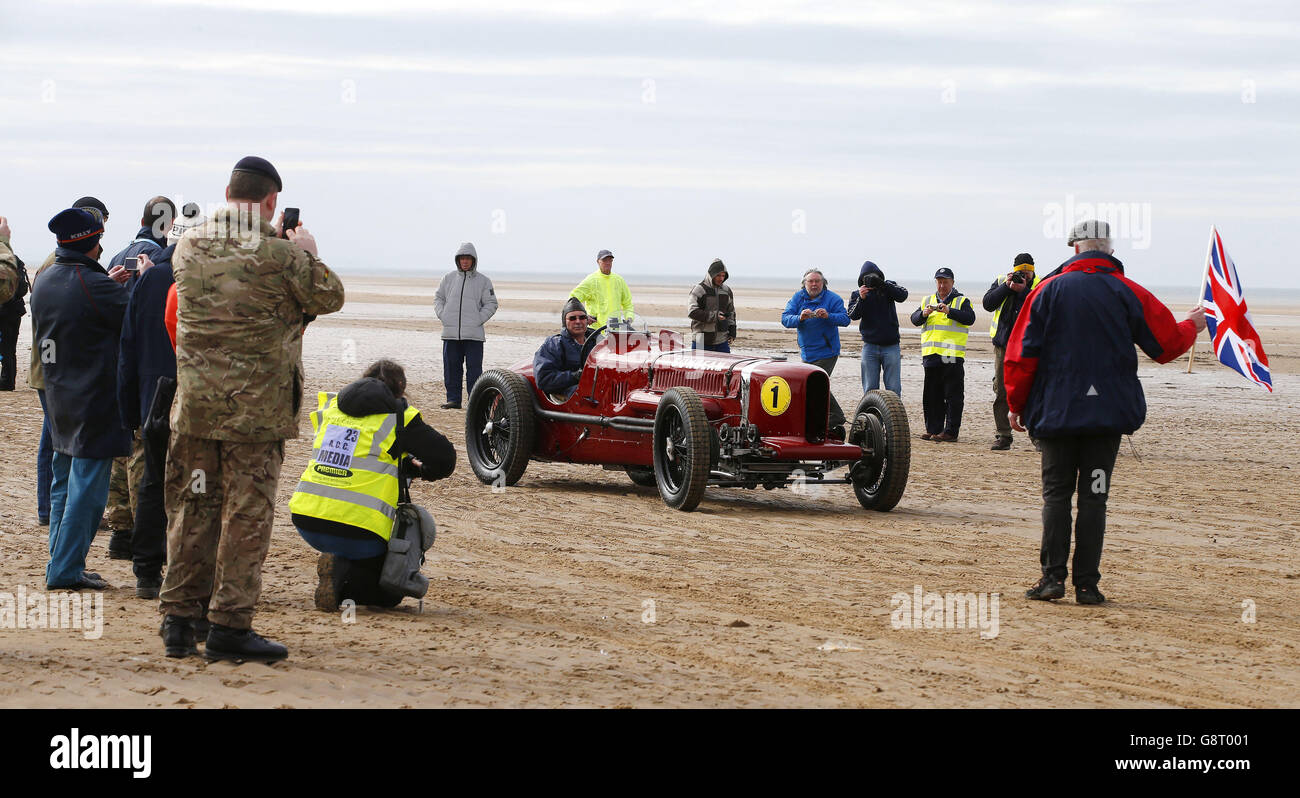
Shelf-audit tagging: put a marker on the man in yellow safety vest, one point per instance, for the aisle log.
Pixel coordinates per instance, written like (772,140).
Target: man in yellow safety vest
(945,318)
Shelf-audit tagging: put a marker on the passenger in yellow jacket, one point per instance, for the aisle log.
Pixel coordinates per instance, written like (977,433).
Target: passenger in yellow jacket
(604,293)
(366,437)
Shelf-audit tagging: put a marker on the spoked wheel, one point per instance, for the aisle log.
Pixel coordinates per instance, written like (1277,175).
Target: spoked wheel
(499,427)
(880,477)
(682,453)
(645,477)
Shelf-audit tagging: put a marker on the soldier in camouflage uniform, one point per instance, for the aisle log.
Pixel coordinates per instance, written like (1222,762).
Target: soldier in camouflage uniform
(242,294)
(8,264)
(126,475)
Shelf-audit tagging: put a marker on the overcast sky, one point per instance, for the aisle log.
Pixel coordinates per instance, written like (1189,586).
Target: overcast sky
(775,135)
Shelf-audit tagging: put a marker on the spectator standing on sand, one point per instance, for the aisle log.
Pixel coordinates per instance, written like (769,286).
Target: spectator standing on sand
(36,376)
(464,302)
(874,305)
(818,315)
(1071,375)
(147,359)
(603,293)
(77,310)
(712,311)
(1004,299)
(239,385)
(945,318)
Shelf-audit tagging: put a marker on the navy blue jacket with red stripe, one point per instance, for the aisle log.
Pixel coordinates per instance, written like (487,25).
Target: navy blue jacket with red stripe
(1070,366)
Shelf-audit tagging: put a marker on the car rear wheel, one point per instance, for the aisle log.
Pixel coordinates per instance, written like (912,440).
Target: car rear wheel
(682,453)
(645,477)
(880,477)
(499,427)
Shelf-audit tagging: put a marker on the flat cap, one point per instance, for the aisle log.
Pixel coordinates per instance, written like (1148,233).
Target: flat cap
(259,166)
(1087,230)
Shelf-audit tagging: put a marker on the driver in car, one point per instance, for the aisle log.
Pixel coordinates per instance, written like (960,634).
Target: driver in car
(557,366)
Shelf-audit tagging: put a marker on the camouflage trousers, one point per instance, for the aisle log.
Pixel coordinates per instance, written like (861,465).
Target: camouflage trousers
(220,498)
(122,484)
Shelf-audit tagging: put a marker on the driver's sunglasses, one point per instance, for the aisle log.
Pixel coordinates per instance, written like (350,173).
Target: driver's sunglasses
(577,318)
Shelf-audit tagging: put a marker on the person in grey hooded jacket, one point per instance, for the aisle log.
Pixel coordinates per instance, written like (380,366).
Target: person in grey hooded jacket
(464,302)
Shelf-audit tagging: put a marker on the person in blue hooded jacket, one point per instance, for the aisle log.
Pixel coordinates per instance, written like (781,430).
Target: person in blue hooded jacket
(818,314)
(872,305)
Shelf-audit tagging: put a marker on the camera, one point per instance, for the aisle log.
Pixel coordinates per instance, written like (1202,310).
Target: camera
(873,280)
(1018,278)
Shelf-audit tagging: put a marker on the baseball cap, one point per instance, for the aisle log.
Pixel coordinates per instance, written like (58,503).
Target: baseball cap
(944,272)
(604,253)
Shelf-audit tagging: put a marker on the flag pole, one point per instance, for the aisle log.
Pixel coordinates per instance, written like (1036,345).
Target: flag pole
(1200,297)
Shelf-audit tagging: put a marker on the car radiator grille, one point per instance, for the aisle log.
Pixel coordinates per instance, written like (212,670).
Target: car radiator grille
(706,383)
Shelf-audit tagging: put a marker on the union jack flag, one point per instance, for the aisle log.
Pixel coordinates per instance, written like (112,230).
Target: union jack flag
(1236,343)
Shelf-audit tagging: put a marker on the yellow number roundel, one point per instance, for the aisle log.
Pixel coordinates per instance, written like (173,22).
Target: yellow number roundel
(775,396)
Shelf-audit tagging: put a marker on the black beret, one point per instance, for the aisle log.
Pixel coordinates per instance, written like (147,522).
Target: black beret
(91,202)
(259,166)
(77,228)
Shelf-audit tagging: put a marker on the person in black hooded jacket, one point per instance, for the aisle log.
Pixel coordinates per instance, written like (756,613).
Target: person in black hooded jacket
(352,556)
(873,306)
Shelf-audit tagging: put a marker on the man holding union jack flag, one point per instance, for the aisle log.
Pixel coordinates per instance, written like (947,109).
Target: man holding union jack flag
(1071,370)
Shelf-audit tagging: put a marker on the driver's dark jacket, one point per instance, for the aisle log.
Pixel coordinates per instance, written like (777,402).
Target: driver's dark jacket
(557,366)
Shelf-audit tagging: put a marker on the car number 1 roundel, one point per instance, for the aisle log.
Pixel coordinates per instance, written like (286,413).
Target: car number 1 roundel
(775,396)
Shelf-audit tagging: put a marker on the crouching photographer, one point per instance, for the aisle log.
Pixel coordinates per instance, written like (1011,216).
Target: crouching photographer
(351,503)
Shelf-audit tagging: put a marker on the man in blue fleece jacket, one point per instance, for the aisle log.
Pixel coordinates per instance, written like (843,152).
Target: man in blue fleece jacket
(818,314)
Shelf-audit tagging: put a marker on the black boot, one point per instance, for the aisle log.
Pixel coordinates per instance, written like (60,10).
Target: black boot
(241,645)
(119,545)
(178,636)
(147,587)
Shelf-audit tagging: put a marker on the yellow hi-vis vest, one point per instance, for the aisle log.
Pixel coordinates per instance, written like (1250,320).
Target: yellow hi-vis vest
(941,335)
(351,479)
(1002,278)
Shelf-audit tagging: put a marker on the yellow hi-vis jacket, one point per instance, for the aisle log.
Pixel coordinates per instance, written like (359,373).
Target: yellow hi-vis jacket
(351,479)
(941,335)
(604,295)
(997,314)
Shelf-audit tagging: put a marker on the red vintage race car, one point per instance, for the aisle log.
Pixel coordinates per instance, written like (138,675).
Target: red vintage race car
(683,419)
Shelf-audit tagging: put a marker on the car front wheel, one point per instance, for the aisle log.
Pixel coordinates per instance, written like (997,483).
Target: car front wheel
(881,475)
(499,427)
(682,453)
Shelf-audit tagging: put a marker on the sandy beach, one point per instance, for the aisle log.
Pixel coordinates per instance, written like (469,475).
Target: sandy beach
(541,593)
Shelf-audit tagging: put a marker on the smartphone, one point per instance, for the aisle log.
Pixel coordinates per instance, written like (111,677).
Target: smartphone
(290,220)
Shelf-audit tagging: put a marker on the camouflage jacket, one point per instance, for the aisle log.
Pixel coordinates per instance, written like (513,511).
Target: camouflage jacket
(241,295)
(8,271)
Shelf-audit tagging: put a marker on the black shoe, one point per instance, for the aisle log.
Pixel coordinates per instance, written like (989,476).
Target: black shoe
(241,645)
(178,636)
(1046,589)
(329,583)
(1000,444)
(84,582)
(451,406)
(42,520)
(1084,594)
(119,545)
(148,587)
